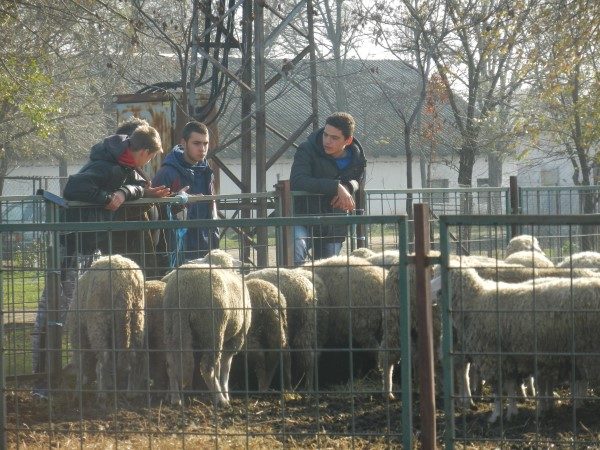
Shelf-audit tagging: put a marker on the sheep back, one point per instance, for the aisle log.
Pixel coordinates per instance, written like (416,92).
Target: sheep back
(110,300)
(267,336)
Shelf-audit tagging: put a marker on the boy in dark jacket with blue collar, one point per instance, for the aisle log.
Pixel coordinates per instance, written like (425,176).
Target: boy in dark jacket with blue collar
(330,162)
(185,169)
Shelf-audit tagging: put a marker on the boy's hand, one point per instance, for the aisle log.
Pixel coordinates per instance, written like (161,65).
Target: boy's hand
(157,192)
(116,199)
(343,200)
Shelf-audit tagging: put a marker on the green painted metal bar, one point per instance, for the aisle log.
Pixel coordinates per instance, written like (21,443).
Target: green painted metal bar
(2,353)
(447,359)
(405,348)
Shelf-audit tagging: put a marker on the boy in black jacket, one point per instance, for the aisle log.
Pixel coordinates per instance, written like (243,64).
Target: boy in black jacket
(330,162)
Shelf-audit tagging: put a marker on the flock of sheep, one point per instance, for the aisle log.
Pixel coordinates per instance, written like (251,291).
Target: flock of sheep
(200,315)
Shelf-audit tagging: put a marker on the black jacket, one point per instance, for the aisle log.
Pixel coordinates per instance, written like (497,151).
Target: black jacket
(94,183)
(316,172)
(103,175)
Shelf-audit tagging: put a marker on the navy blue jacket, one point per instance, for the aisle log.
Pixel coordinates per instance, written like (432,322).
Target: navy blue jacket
(176,173)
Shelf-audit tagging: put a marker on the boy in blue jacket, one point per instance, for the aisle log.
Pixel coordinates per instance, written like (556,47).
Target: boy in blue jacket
(185,169)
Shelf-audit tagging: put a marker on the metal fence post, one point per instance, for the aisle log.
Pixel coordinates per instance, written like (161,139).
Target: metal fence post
(514,204)
(447,359)
(2,351)
(53,319)
(287,237)
(425,326)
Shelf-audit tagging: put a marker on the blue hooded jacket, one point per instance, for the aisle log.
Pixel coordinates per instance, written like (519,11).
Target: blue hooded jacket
(176,174)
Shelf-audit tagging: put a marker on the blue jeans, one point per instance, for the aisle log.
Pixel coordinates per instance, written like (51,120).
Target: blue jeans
(303,242)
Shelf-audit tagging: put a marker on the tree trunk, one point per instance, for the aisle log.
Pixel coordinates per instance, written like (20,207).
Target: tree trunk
(495,179)
(466,163)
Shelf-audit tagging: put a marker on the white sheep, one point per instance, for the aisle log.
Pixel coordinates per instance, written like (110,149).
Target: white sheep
(523,242)
(362,252)
(106,323)
(385,259)
(267,338)
(520,319)
(207,310)
(155,318)
(586,260)
(528,258)
(302,317)
(218,257)
(520,274)
(355,308)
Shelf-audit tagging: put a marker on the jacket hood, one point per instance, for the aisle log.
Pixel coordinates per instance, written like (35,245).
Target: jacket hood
(176,159)
(110,148)
(315,140)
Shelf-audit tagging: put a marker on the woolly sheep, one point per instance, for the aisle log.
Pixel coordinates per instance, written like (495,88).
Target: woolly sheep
(267,337)
(520,274)
(109,302)
(530,317)
(523,242)
(207,310)
(586,260)
(385,258)
(218,257)
(363,252)
(155,318)
(528,258)
(356,306)
(299,293)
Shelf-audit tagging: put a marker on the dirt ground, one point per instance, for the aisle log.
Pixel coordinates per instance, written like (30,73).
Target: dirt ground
(333,420)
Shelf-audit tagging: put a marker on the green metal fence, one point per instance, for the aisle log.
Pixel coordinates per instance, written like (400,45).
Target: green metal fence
(344,407)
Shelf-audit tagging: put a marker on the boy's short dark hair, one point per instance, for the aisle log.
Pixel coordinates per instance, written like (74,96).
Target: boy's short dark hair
(343,122)
(128,126)
(193,127)
(145,137)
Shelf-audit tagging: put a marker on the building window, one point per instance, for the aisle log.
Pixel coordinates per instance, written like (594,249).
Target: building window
(549,177)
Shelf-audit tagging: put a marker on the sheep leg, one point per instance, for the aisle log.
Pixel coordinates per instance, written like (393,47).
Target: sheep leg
(103,373)
(531,381)
(174,375)
(464,389)
(180,357)
(387,368)
(287,370)
(512,409)
(226,360)
(496,409)
(208,369)
(579,392)
(260,365)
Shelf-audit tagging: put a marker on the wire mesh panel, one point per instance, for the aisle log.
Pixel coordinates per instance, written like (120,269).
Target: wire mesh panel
(520,353)
(563,201)
(24,255)
(482,200)
(219,352)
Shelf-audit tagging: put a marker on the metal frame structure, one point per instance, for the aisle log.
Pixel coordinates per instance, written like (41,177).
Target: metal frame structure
(251,82)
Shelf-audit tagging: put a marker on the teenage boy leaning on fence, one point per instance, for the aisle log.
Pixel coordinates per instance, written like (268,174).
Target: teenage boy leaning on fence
(185,169)
(113,175)
(330,162)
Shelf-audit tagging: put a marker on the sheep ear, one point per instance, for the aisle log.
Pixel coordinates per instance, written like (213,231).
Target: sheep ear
(436,285)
